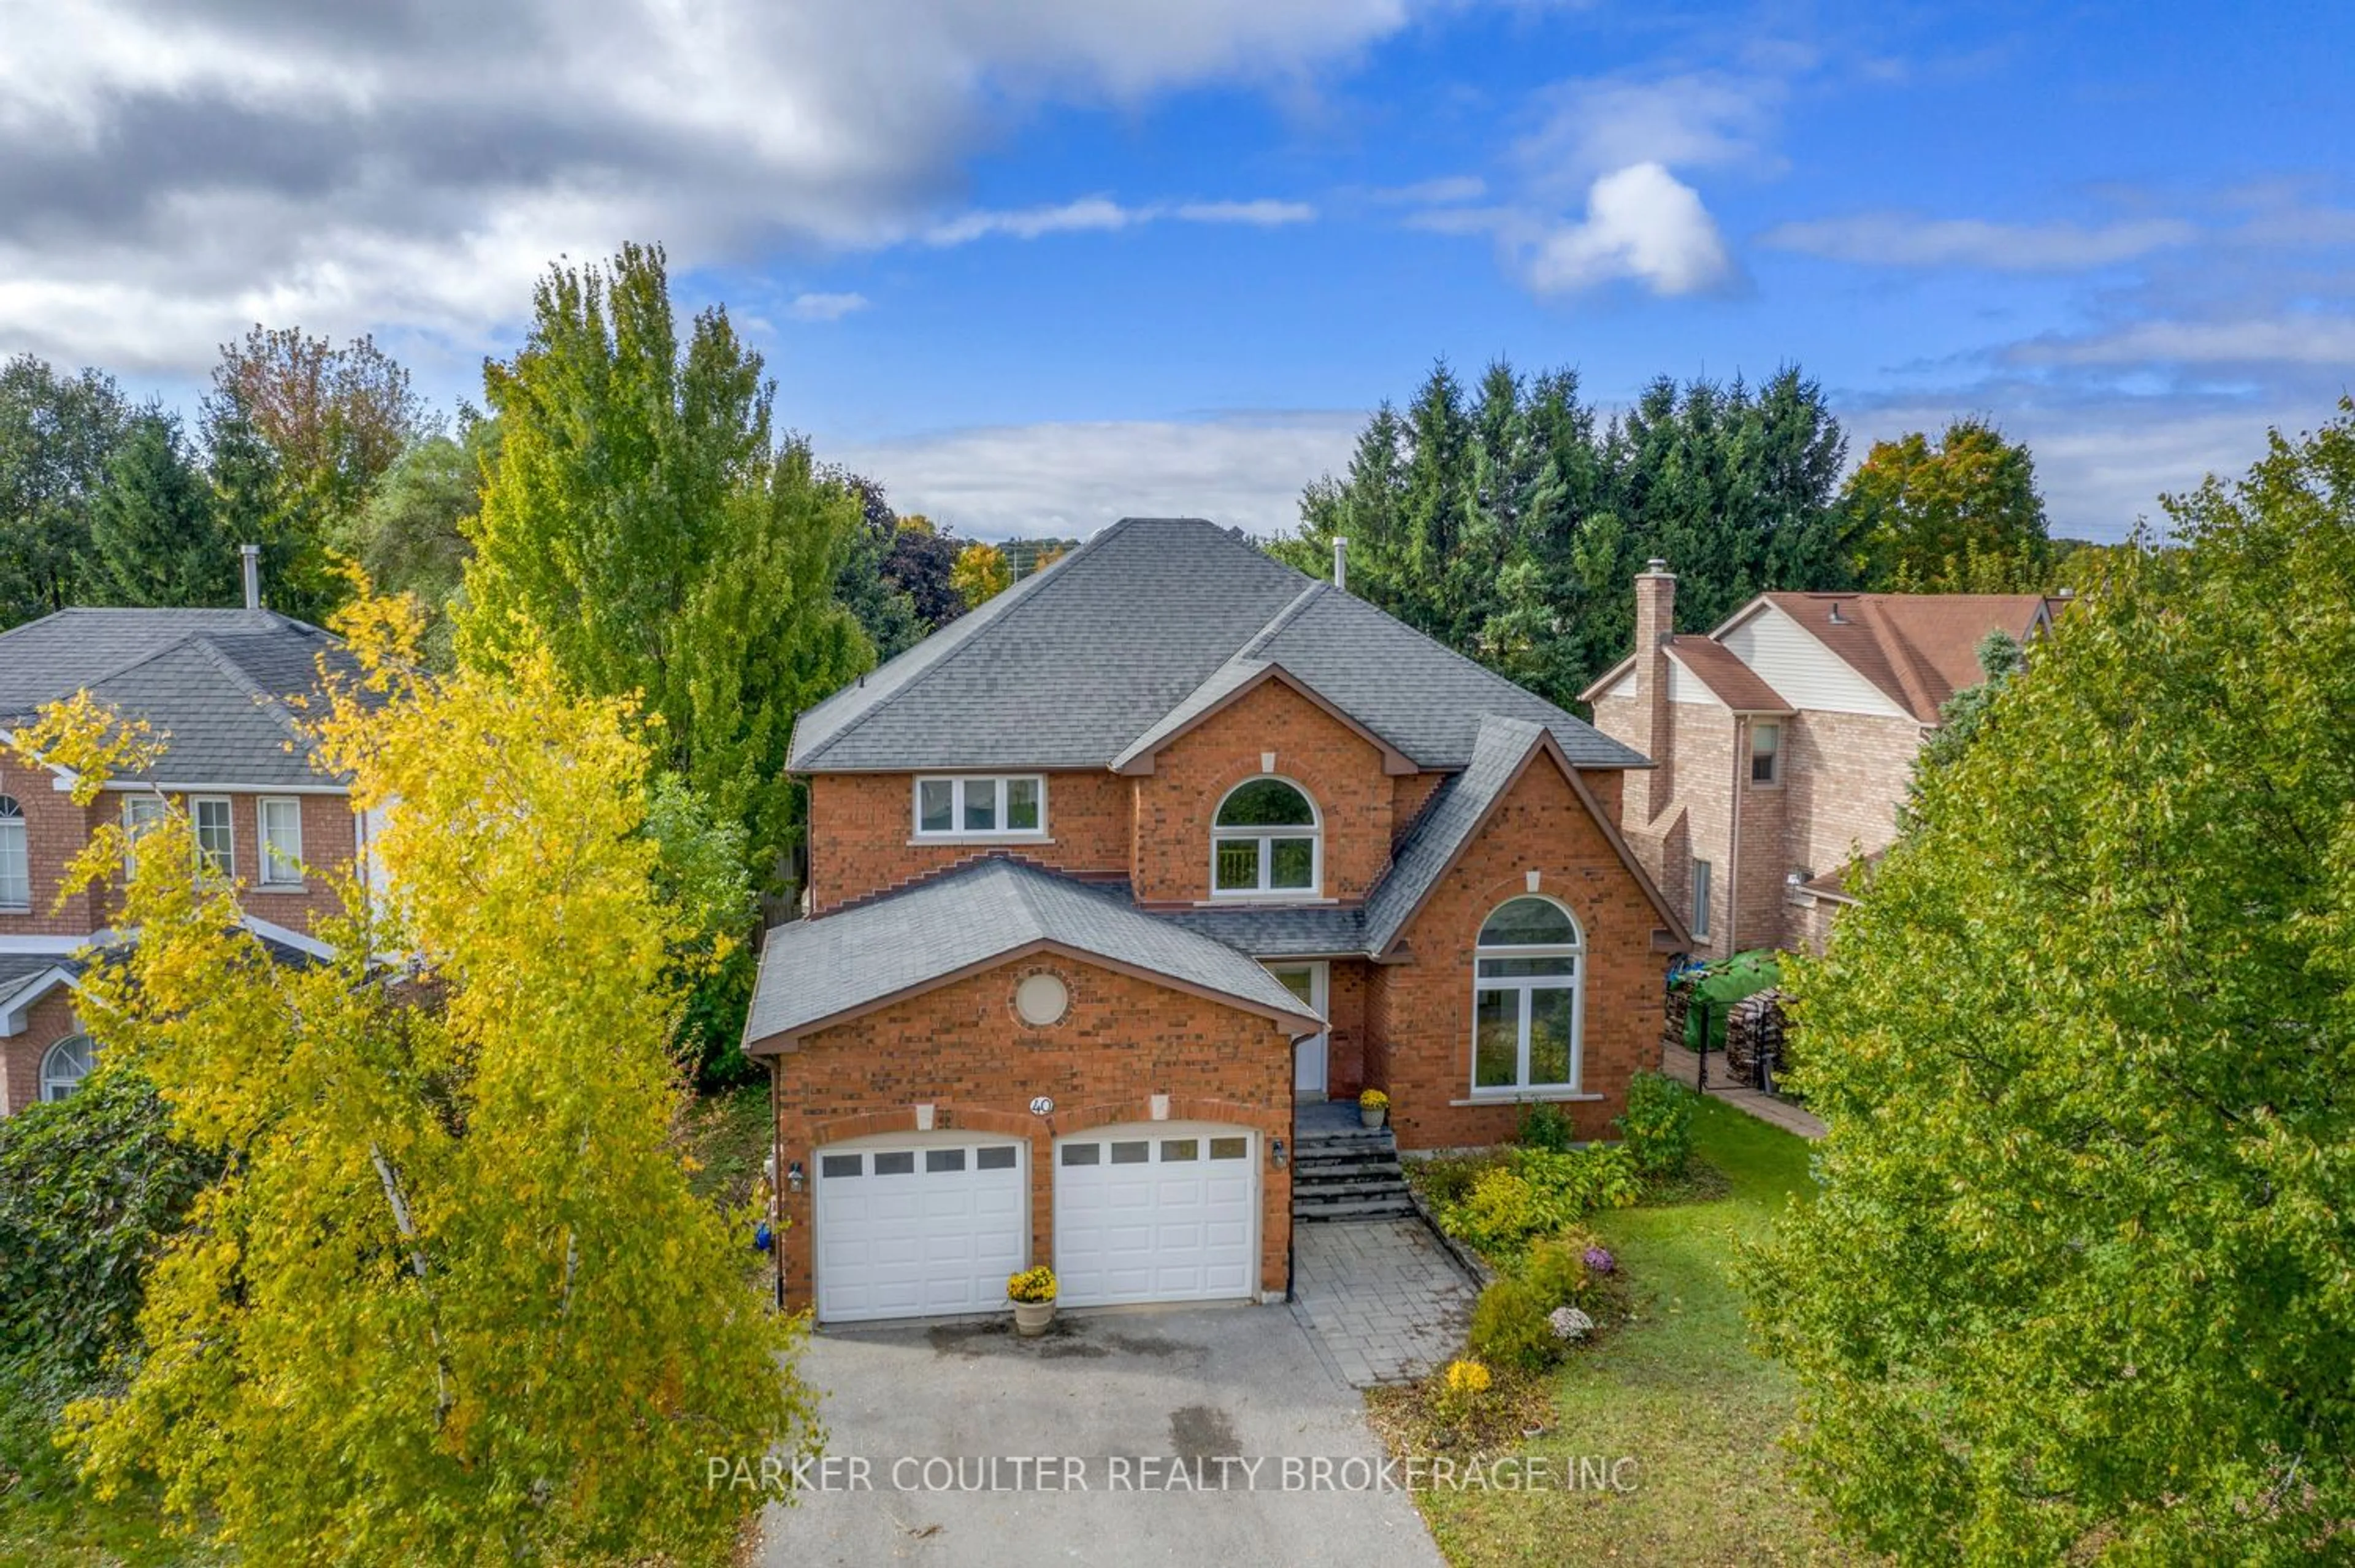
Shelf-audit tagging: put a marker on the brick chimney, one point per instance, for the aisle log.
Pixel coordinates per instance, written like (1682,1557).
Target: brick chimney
(1648,793)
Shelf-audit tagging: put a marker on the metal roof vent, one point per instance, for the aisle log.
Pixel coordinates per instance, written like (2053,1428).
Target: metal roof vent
(1837,618)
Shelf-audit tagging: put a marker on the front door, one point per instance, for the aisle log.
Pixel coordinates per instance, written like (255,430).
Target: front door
(1307,981)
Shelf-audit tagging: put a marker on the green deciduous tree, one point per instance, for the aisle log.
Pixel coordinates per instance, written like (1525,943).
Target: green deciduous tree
(57,435)
(1508,521)
(155,537)
(411,535)
(641,520)
(2080,1282)
(1961,516)
(454,1299)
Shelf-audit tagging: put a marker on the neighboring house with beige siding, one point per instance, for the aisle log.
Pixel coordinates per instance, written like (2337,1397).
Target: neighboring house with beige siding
(219,687)
(1783,744)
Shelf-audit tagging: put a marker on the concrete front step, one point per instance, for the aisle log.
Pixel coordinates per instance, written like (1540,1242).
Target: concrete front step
(1396,1208)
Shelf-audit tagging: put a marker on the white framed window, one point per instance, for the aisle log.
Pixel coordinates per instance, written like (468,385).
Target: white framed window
(65,1065)
(1700,900)
(1527,1007)
(140,813)
(15,856)
(215,833)
(981,806)
(1266,841)
(280,820)
(1765,752)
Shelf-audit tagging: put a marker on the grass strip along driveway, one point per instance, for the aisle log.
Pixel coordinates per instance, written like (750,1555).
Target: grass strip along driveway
(1676,1387)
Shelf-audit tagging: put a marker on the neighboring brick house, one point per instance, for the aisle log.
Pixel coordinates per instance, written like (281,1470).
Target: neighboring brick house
(215,686)
(1107,874)
(1783,744)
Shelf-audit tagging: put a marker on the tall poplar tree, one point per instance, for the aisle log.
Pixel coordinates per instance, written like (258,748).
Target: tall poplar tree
(641,519)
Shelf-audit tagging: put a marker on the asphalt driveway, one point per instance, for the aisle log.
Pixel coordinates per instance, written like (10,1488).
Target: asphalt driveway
(1139,1408)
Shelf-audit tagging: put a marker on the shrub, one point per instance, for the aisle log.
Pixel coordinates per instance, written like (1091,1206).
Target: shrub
(1505,1209)
(1461,1387)
(1447,1180)
(1658,1123)
(1556,1269)
(1600,1177)
(1509,1327)
(1543,1126)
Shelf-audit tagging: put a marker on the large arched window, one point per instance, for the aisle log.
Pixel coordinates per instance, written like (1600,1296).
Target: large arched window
(1264,842)
(67,1064)
(1525,1001)
(16,860)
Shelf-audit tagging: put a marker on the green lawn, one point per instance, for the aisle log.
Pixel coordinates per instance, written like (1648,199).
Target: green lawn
(1676,1388)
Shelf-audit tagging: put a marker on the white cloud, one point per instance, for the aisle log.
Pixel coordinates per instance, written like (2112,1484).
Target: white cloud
(172,173)
(1260,214)
(825,307)
(1899,240)
(1070,479)
(2308,339)
(1101,214)
(1694,120)
(1642,223)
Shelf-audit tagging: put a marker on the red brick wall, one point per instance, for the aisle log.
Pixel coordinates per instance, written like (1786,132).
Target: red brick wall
(50,1020)
(1345,1005)
(862,826)
(1606,785)
(1419,1013)
(1123,1041)
(1410,793)
(1341,771)
(57,829)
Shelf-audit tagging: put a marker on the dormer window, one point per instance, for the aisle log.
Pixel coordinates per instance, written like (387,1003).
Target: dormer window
(1264,842)
(983,805)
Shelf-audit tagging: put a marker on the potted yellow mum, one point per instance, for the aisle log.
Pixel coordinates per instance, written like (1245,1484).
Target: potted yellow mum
(1032,1291)
(1373,1106)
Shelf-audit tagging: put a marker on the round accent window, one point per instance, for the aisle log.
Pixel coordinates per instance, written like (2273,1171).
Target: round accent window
(1042,999)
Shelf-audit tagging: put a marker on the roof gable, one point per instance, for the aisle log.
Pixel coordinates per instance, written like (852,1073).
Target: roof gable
(978,915)
(1507,749)
(1134,636)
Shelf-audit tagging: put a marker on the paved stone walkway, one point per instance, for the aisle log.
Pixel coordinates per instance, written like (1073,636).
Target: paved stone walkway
(1681,1064)
(1382,1302)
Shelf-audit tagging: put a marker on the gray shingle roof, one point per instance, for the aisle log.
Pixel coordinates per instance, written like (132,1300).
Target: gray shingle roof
(212,682)
(1151,621)
(1456,809)
(18,971)
(1316,932)
(814,969)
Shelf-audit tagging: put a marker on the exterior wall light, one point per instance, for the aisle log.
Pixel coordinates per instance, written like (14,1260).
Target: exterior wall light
(1275,1152)
(793,1176)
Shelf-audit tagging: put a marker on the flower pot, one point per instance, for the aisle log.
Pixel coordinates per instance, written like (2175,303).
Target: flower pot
(1374,1117)
(1031,1317)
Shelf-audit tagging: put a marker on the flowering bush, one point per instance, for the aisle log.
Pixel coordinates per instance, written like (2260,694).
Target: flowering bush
(1373,1100)
(1598,1260)
(1031,1285)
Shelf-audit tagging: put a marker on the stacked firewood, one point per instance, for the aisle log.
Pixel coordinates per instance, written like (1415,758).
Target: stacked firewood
(1754,1040)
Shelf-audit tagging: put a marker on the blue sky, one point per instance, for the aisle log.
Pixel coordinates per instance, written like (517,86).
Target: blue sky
(1035,266)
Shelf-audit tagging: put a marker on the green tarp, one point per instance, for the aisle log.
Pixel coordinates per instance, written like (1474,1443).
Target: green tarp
(1721,986)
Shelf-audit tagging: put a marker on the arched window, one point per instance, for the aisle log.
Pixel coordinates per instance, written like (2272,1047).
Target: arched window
(1265,841)
(16,860)
(67,1064)
(1525,1001)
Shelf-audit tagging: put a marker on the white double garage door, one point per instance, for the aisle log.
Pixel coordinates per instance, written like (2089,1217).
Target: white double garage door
(921,1225)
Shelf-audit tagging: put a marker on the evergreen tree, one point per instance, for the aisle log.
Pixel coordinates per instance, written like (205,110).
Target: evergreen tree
(154,536)
(57,434)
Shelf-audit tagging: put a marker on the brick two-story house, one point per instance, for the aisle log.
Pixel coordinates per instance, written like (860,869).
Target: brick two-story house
(215,686)
(1783,744)
(1106,873)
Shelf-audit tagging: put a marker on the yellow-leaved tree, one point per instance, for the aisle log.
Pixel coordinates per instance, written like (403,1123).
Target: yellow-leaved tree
(452,1299)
